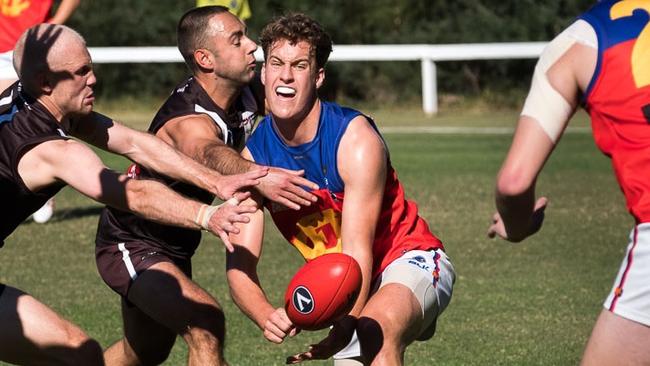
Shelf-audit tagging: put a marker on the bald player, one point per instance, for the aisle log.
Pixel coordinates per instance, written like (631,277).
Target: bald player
(53,101)
(601,61)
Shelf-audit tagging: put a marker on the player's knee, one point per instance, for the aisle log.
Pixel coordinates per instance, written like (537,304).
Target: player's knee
(380,332)
(371,336)
(151,357)
(153,352)
(207,330)
(82,350)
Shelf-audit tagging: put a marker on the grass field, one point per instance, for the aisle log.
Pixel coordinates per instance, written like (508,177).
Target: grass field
(528,304)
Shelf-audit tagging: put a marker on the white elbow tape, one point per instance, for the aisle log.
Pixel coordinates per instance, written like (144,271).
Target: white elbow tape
(206,211)
(545,104)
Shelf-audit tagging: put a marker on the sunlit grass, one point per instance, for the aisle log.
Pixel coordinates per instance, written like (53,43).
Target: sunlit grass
(532,303)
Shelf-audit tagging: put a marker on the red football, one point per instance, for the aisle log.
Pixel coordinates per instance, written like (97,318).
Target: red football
(323,291)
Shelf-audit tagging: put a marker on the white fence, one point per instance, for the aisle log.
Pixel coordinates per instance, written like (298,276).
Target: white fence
(428,55)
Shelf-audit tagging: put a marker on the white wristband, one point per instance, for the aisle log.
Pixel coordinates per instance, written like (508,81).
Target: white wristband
(206,211)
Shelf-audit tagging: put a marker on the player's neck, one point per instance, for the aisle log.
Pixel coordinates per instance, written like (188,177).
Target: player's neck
(51,107)
(222,92)
(301,129)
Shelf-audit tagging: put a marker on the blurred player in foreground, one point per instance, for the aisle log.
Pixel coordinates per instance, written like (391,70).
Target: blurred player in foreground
(603,61)
(361,211)
(208,117)
(37,158)
(15,18)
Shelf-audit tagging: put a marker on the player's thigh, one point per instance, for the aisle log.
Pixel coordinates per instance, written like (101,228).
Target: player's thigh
(166,294)
(32,333)
(617,341)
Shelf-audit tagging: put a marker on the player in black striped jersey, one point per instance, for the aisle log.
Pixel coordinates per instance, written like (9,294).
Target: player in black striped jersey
(55,99)
(208,117)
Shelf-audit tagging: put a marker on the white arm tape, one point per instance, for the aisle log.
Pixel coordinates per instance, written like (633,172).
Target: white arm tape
(205,212)
(545,104)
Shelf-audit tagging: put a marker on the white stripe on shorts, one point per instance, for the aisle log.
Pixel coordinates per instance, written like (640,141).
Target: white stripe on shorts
(127,261)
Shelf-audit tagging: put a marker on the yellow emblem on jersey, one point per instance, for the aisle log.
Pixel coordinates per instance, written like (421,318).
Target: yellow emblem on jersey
(13,8)
(641,51)
(319,233)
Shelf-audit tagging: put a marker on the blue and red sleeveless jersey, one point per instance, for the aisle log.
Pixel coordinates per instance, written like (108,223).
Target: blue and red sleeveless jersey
(316,230)
(618,96)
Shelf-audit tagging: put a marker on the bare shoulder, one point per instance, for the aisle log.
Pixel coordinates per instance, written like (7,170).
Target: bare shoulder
(361,136)
(361,150)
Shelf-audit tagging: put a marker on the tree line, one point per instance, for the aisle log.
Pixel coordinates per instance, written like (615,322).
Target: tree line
(153,23)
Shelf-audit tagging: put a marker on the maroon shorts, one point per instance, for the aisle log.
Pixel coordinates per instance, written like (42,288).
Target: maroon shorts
(121,264)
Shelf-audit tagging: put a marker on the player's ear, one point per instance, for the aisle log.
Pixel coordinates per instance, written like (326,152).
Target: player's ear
(320,77)
(203,59)
(263,74)
(44,83)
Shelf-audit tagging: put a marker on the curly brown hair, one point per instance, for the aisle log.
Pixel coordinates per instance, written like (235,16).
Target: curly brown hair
(296,27)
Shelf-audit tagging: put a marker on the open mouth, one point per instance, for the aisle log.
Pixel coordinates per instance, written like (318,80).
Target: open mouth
(285,91)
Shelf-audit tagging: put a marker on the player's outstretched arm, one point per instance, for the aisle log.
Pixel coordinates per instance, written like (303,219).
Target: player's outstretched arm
(74,163)
(564,69)
(64,11)
(559,76)
(245,288)
(519,215)
(159,156)
(198,137)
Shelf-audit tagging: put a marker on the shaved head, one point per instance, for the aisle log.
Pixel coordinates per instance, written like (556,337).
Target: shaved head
(44,49)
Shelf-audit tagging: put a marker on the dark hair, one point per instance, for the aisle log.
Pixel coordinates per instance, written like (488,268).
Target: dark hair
(296,27)
(192,31)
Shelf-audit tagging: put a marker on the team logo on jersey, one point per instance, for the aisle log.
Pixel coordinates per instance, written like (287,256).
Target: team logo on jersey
(303,301)
(13,8)
(641,50)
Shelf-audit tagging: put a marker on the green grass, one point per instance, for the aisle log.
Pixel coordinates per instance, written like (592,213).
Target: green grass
(532,303)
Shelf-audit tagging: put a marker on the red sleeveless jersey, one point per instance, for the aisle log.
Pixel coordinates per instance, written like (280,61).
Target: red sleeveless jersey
(618,97)
(16,16)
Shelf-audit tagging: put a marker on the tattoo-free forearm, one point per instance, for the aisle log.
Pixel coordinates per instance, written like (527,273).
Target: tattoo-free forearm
(224,159)
(156,202)
(157,155)
(516,212)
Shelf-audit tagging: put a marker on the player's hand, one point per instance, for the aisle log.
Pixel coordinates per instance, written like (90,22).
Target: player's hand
(225,186)
(278,326)
(338,337)
(222,220)
(536,220)
(286,188)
